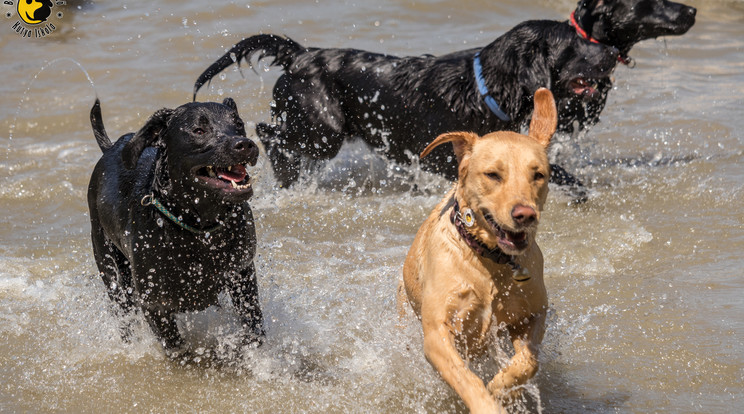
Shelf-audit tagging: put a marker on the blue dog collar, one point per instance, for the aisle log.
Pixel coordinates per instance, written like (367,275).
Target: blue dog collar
(483,89)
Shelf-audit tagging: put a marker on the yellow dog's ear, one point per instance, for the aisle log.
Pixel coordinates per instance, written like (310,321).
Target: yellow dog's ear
(544,117)
(462,143)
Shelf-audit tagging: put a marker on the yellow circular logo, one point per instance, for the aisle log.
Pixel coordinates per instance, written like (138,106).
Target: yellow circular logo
(34,18)
(34,11)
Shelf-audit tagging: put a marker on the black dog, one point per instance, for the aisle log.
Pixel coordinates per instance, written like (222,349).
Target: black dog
(622,24)
(398,104)
(170,222)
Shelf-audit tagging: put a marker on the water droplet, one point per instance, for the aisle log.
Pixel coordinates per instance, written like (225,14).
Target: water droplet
(159,221)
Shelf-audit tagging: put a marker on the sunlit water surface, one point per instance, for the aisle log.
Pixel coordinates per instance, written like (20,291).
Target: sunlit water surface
(645,279)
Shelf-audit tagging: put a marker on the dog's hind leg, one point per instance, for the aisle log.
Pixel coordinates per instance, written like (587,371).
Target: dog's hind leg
(310,123)
(402,303)
(116,275)
(574,187)
(164,326)
(243,290)
(285,163)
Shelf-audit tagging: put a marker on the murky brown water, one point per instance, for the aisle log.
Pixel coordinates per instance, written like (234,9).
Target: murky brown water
(645,280)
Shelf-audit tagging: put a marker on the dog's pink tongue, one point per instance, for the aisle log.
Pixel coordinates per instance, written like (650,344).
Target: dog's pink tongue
(237,173)
(582,87)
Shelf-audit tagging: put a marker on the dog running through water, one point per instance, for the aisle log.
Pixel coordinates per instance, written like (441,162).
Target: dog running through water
(475,260)
(326,97)
(170,222)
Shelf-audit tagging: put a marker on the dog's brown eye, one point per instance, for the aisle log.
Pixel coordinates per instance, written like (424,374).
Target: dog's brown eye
(494,176)
(199,131)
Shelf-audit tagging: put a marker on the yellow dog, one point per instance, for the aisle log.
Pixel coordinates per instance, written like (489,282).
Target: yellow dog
(475,260)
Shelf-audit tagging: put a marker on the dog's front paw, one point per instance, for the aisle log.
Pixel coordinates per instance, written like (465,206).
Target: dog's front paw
(503,394)
(497,386)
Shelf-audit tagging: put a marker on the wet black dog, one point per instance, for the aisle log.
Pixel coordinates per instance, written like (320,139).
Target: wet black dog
(170,222)
(397,105)
(622,24)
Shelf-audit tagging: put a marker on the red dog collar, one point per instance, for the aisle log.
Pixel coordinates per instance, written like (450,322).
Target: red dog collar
(625,60)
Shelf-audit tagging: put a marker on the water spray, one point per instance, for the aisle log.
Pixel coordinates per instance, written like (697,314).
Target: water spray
(43,68)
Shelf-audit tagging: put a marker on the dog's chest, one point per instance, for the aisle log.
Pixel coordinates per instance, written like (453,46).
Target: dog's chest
(512,302)
(187,271)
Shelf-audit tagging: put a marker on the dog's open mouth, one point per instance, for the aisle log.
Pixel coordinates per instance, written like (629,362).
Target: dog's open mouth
(508,241)
(583,87)
(233,178)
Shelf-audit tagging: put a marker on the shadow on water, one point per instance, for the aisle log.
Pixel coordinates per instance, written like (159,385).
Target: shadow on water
(560,397)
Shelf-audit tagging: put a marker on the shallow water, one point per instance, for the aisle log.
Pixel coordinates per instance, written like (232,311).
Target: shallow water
(645,279)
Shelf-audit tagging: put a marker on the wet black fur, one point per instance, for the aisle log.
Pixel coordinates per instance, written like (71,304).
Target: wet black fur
(398,105)
(145,260)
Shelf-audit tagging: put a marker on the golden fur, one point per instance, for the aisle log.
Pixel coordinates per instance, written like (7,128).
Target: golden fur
(456,292)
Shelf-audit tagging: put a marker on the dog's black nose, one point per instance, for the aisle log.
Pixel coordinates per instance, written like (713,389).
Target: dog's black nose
(524,215)
(245,145)
(246,148)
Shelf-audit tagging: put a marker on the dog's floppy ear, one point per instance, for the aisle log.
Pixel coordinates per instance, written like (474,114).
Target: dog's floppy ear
(230,103)
(544,117)
(462,143)
(146,136)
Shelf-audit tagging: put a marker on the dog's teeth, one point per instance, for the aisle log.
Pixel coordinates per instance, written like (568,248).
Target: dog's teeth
(229,168)
(233,184)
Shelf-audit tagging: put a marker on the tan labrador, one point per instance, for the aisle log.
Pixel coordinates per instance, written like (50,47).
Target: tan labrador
(475,261)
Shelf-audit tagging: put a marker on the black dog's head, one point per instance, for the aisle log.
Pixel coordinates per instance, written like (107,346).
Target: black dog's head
(204,149)
(541,53)
(578,66)
(544,54)
(623,23)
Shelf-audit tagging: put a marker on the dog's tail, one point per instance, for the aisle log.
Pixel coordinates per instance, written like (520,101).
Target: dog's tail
(96,121)
(283,49)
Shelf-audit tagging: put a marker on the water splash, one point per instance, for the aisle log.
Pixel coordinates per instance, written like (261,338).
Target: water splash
(43,68)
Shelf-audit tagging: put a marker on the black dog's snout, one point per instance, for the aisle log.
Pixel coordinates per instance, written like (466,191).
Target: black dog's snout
(243,144)
(246,148)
